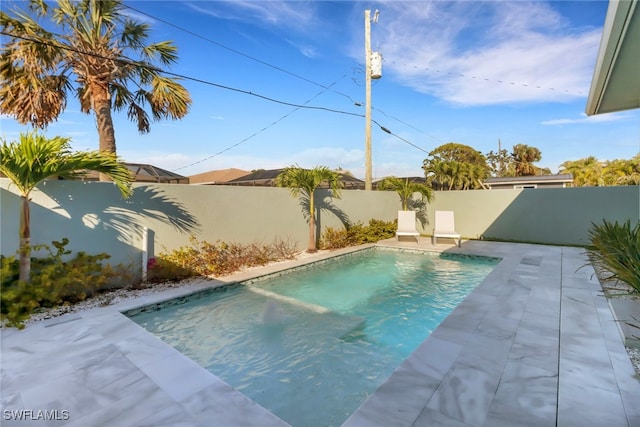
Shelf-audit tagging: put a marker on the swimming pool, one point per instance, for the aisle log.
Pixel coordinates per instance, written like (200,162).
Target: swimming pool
(312,344)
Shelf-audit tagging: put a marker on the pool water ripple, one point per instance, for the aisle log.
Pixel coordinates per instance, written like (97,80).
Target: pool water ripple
(339,329)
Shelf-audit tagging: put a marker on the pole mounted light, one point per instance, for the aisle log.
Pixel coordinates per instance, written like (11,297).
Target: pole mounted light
(373,70)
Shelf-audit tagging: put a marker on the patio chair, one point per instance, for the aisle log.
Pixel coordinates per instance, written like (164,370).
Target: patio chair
(445,227)
(407,225)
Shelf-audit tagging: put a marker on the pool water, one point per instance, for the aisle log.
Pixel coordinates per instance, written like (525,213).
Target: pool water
(311,345)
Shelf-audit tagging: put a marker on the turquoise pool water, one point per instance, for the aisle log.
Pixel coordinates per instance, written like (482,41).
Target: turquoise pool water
(312,344)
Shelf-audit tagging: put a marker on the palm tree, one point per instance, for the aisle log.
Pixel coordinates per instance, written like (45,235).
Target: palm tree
(456,174)
(586,172)
(456,166)
(406,189)
(35,158)
(89,56)
(305,182)
(524,156)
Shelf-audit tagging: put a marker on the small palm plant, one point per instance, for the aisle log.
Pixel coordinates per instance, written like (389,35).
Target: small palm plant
(406,188)
(304,182)
(34,158)
(617,248)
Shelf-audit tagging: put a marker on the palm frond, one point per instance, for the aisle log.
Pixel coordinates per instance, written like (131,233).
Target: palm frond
(34,158)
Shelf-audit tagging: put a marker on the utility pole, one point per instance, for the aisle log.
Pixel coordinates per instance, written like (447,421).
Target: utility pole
(368,74)
(367,113)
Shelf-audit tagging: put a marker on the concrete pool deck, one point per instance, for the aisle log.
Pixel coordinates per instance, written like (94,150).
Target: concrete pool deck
(535,344)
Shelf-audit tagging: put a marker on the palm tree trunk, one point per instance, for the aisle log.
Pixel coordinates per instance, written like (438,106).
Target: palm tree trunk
(311,247)
(104,122)
(25,241)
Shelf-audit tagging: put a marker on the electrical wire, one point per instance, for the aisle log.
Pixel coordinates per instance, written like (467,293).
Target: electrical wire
(237,52)
(128,61)
(260,61)
(258,132)
(150,67)
(449,73)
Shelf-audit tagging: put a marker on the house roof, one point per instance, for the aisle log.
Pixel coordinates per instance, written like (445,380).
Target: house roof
(146,173)
(615,85)
(530,179)
(220,176)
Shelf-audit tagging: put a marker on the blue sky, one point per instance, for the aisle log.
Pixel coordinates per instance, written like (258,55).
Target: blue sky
(471,72)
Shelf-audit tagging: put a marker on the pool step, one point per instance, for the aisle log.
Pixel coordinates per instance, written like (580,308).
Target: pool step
(312,307)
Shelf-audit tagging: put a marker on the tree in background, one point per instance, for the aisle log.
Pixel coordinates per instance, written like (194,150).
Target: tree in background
(586,171)
(501,163)
(304,182)
(524,157)
(88,53)
(622,172)
(34,158)
(406,188)
(455,166)
(590,171)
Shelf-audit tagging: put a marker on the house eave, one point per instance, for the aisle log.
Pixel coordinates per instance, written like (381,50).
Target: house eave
(615,85)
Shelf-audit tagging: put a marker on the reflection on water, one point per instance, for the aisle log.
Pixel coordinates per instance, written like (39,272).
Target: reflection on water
(315,367)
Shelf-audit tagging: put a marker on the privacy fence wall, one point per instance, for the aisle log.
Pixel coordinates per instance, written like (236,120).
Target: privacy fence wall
(95,218)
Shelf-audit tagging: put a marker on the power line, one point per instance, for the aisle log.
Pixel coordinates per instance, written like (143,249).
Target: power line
(399,137)
(256,133)
(260,61)
(472,77)
(237,52)
(197,80)
(181,76)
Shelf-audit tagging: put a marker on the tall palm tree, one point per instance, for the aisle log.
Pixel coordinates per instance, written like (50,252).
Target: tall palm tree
(304,182)
(406,189)
(34,158)
(88,55)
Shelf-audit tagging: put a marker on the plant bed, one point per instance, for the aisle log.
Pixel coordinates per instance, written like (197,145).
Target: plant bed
(625,305)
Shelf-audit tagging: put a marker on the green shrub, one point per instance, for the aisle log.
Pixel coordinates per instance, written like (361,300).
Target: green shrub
(54,281)
(616,247)
(358,234)
(333,238)
(220,258)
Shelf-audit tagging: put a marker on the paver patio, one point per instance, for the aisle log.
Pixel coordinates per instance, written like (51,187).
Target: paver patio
(535,344)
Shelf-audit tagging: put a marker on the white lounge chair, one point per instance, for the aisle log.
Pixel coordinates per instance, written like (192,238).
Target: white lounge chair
(445,227)
(407,225)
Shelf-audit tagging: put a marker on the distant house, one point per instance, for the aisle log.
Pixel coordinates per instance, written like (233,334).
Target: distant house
(221,176)
(537,181)
(146,173)
(266,178)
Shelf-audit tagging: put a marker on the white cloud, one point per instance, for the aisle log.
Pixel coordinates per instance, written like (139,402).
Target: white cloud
(138,17)
(305,49)
(604,118)
(268,13)
(524,53)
